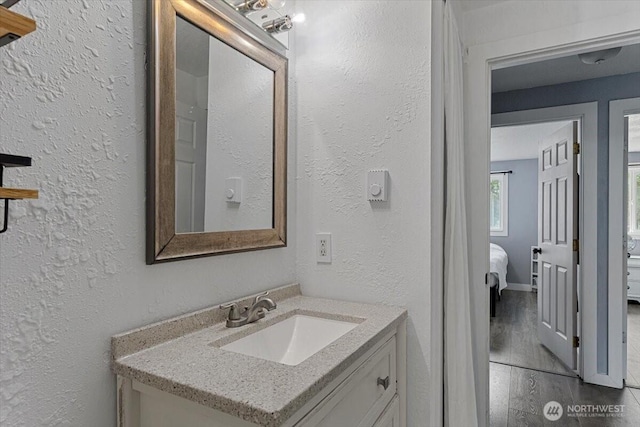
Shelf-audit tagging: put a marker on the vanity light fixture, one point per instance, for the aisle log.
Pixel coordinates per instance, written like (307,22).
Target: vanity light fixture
(298,18)
(282,24)
(247,7)
(278,25)
(599,56)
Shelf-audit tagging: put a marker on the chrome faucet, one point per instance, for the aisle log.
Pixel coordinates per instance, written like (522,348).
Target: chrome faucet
(249,314)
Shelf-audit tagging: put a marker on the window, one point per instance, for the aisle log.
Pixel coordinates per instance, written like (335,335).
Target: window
(633,222)
(499,204)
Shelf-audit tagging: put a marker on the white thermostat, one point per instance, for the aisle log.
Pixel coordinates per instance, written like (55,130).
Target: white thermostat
(378,185)
(233,190)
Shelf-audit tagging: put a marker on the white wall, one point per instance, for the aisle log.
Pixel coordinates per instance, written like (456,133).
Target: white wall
(191,90)
(239,140)
(513,18)
(72,269)
(363,81)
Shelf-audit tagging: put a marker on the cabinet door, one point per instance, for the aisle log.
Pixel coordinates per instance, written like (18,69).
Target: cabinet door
(391,416)
(634,274)
(360,399)
(633,281)
(634,290)
(161,409)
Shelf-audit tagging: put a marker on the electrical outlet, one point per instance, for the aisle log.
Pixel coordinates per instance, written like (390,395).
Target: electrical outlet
(323,247)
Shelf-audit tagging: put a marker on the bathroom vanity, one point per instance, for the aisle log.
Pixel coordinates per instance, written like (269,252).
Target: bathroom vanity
(308,362)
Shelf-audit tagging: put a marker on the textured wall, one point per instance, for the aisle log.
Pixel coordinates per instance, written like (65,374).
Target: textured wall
(523,217)
(363,103)
(511,18)
(72,269)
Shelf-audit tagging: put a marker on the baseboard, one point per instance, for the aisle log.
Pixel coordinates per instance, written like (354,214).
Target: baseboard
(525,287)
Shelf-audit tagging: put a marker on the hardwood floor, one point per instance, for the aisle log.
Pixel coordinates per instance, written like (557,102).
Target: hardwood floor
(525,375)
(633,345)
(518,396)
(514,337)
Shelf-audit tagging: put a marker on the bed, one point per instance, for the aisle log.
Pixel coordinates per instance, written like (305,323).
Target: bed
(498,261)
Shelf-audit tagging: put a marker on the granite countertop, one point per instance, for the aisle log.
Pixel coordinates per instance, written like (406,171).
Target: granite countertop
(182,356)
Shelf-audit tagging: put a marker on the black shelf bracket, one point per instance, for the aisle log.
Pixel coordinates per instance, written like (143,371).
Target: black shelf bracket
(10,161)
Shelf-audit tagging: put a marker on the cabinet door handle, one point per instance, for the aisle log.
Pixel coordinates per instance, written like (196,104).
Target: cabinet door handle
(384,382)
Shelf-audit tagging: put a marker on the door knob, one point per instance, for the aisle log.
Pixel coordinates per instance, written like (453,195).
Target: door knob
(384,382)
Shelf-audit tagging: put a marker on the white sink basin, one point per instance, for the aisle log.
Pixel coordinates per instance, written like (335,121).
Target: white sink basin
(292,340)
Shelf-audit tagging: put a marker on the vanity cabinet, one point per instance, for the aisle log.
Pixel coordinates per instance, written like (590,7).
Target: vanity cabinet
(362,398)
(391,416)
(369,393)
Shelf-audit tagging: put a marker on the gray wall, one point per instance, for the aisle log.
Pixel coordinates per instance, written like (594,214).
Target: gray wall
(602,91)
(523,217)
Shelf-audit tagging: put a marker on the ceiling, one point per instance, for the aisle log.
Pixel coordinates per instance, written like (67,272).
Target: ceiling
(521,142)
(477,4)
(564,70)
(192,48)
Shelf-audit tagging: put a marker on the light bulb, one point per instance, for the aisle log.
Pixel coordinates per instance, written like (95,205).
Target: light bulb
(276,4)
(298,18)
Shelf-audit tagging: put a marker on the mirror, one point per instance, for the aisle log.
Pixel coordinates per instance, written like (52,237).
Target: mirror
(217,163)
(224,136)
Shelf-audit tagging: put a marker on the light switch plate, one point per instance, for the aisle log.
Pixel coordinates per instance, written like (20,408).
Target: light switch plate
(377,185)
(233,190)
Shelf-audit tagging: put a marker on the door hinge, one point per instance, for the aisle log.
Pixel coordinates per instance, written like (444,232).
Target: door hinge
(576,148)
(576,342)
(576,245)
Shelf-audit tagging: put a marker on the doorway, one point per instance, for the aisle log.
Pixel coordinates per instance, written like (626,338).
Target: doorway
(631,208)
(510,47)
(624,233)
(632,282)
(517,224)
(510,373)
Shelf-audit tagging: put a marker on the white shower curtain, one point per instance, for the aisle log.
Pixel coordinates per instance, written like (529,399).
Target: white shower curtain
(459,379)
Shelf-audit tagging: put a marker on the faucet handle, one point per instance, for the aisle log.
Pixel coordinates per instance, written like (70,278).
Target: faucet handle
(234,313)
(260,296)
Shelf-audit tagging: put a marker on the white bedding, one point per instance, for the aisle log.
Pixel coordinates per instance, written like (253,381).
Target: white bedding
(498,261)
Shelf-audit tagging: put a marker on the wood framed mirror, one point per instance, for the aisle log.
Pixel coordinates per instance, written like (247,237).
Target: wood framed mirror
(217,160)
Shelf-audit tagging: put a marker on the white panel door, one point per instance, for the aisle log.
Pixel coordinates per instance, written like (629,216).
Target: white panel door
(557,229)
(191,158)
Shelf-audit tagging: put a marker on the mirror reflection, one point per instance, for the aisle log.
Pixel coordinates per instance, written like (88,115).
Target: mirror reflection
(224,136)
